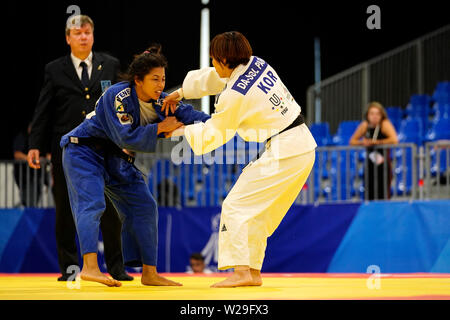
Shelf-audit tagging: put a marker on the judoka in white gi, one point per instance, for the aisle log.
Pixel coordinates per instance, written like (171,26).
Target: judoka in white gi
(252,101)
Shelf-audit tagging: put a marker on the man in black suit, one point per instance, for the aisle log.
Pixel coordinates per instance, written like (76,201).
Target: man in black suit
(72,85)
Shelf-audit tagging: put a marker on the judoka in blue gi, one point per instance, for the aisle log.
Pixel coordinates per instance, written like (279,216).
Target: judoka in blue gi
(98,160)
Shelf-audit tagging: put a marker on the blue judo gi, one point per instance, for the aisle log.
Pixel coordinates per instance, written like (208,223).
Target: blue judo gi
(92,172)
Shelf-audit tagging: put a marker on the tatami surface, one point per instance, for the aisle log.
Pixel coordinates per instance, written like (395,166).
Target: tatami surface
(294,286)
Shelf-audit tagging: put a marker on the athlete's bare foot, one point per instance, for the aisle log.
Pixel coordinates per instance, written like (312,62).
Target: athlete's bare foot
(151,278)
(241,277)
(256,277)
(92,275)
(91,271)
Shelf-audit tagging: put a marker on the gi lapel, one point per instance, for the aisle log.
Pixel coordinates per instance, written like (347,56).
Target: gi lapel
(157,107)
(135,103)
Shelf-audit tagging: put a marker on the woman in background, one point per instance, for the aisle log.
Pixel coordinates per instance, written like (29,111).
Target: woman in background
(374,130)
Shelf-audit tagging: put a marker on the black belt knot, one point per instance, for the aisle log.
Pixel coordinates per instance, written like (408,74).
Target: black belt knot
(298,121)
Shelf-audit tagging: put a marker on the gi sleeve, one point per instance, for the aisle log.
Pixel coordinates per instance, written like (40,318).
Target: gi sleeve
(202,82)
(215,132)
(117,119)
(188,115)
(42,113)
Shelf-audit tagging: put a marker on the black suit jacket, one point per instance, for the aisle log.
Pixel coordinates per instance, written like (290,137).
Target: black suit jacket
(64,101)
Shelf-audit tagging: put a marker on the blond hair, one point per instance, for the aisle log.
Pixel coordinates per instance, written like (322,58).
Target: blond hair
(78,21)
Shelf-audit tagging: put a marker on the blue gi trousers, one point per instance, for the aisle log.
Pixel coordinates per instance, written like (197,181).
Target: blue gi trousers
(92,174)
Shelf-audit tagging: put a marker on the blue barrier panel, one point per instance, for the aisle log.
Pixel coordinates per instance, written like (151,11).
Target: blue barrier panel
(185,231)
(442,264)
(308,237)
(305,241)
(9,219)
(396,237)
(30,246)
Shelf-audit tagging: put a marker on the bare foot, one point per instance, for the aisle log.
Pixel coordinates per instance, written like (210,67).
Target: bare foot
(237,279)
(97,276)
(256,277)
(151,278)
(91,272)
(157,280)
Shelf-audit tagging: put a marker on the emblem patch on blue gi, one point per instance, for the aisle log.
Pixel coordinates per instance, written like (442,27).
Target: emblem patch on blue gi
(105,84)
(120,108)
(119,105)
(125,93)
(124,118)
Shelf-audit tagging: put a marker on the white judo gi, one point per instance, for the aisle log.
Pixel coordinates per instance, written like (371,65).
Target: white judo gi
(254,103)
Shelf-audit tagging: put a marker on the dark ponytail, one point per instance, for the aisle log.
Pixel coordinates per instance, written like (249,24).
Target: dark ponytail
(143,63)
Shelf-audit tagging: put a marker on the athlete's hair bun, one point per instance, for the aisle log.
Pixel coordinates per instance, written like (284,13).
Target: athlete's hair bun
(155,48)
(143,63)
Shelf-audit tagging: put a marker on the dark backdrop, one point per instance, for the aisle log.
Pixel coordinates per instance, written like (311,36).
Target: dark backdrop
(280,32)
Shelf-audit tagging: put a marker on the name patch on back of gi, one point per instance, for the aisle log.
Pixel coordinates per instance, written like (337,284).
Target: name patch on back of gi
(249,77)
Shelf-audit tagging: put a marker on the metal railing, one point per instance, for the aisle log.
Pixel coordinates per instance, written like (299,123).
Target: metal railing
(340,174)
(391,78)
(22,186)
(436,174)
(354,173)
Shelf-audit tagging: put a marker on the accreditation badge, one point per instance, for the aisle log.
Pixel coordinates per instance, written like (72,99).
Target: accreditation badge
(105,84)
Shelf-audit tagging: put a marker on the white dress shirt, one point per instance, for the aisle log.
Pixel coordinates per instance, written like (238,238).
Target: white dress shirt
(79,69)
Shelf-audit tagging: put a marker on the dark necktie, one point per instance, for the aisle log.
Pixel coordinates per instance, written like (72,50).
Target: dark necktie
(84,74)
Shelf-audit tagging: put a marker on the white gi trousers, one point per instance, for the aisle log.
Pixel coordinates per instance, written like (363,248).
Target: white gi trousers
(261,197)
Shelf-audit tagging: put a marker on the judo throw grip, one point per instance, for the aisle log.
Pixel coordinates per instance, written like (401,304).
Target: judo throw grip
(73,270)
